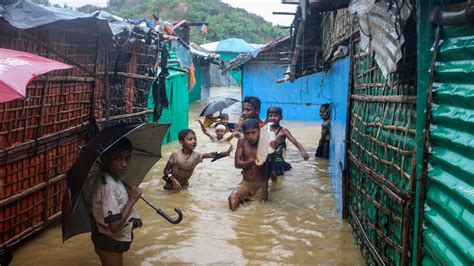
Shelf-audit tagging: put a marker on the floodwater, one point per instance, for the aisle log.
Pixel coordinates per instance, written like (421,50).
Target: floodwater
(300,223)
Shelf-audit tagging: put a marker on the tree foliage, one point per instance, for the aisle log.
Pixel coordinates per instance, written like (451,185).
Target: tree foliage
(42,2)
(89,9)
(224,21)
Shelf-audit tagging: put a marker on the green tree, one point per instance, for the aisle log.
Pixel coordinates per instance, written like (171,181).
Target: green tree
(42,2)
(89,9)
(224,21)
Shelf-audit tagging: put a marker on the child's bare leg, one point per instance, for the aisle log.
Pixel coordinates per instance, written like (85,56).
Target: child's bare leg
(234,201)
(239,194)
(109,258)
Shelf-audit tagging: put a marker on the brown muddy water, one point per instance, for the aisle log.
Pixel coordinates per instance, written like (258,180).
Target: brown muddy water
(300,224)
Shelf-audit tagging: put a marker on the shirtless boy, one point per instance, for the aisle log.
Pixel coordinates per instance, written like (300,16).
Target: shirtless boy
(254,185)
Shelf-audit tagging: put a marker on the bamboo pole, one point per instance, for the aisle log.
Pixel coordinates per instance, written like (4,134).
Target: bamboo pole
(298,47)
(426,142)
(399,196)
(106,85)
(130,75)
(385,99)
(380,143)
(365,238)
(65,58)
(387,127)
(66,79)
(376,204)
(31,190)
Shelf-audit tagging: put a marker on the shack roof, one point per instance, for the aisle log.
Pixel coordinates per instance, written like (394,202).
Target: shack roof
(27,15)
(244,58)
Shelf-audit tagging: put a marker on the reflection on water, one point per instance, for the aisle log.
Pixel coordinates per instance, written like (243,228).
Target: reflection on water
(299,223)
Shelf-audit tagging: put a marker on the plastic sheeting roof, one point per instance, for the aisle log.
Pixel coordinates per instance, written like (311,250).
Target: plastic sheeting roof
(26,15)
(232,45)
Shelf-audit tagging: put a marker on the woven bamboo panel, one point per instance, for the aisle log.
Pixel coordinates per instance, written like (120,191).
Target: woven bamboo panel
(128,93)
(55,101)
(336,30)
(382,133)
(33,188)
(40,135)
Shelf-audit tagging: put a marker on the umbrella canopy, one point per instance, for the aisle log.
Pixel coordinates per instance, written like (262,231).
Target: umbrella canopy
(217,106)
(232,45)
(146,139)
(18,69)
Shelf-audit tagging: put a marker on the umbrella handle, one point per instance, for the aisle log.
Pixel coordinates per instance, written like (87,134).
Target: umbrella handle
(168,218)
(162,213)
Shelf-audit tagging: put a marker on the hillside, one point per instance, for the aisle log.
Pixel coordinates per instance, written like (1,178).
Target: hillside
(224,20)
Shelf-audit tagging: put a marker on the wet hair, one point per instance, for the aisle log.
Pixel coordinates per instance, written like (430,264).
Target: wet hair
(183,133)
(250,123)
(252,100)
(122,144)
(274,110)
(224,116)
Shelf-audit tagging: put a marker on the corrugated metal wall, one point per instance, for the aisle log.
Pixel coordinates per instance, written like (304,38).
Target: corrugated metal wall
(448,222)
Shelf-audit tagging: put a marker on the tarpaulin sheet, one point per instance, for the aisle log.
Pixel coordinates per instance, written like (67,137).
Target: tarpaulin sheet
(27,15)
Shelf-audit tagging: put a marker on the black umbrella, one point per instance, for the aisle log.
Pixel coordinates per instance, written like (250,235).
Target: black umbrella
(146,139)
(217,106)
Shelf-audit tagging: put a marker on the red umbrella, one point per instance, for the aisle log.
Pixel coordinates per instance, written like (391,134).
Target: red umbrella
(18,69)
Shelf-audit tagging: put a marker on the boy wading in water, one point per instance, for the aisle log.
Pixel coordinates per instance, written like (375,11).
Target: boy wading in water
(323,147)
(112,206)
(274,116)
(254,185)
(181,163)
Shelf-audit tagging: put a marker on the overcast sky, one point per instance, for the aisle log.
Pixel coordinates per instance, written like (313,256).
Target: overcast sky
(262,8)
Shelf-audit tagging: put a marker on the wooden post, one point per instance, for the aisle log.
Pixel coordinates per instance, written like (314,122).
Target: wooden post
(106,85)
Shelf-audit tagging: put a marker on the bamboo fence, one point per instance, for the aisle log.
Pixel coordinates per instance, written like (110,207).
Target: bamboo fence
(380,152)
(40,136)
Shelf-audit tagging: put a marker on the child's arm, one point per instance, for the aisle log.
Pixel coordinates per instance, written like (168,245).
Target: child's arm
(304,154)
(217,154)
(168,167)
(203,128)
(168,175)
(229,138)
(238,161)
(133,196)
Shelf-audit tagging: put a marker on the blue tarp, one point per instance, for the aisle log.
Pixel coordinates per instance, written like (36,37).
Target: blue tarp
(232,45)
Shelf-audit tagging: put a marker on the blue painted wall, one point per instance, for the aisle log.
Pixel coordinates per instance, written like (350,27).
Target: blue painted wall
(338,77)
(300,100)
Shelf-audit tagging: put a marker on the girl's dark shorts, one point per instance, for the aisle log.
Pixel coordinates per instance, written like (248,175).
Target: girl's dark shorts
(106,243)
